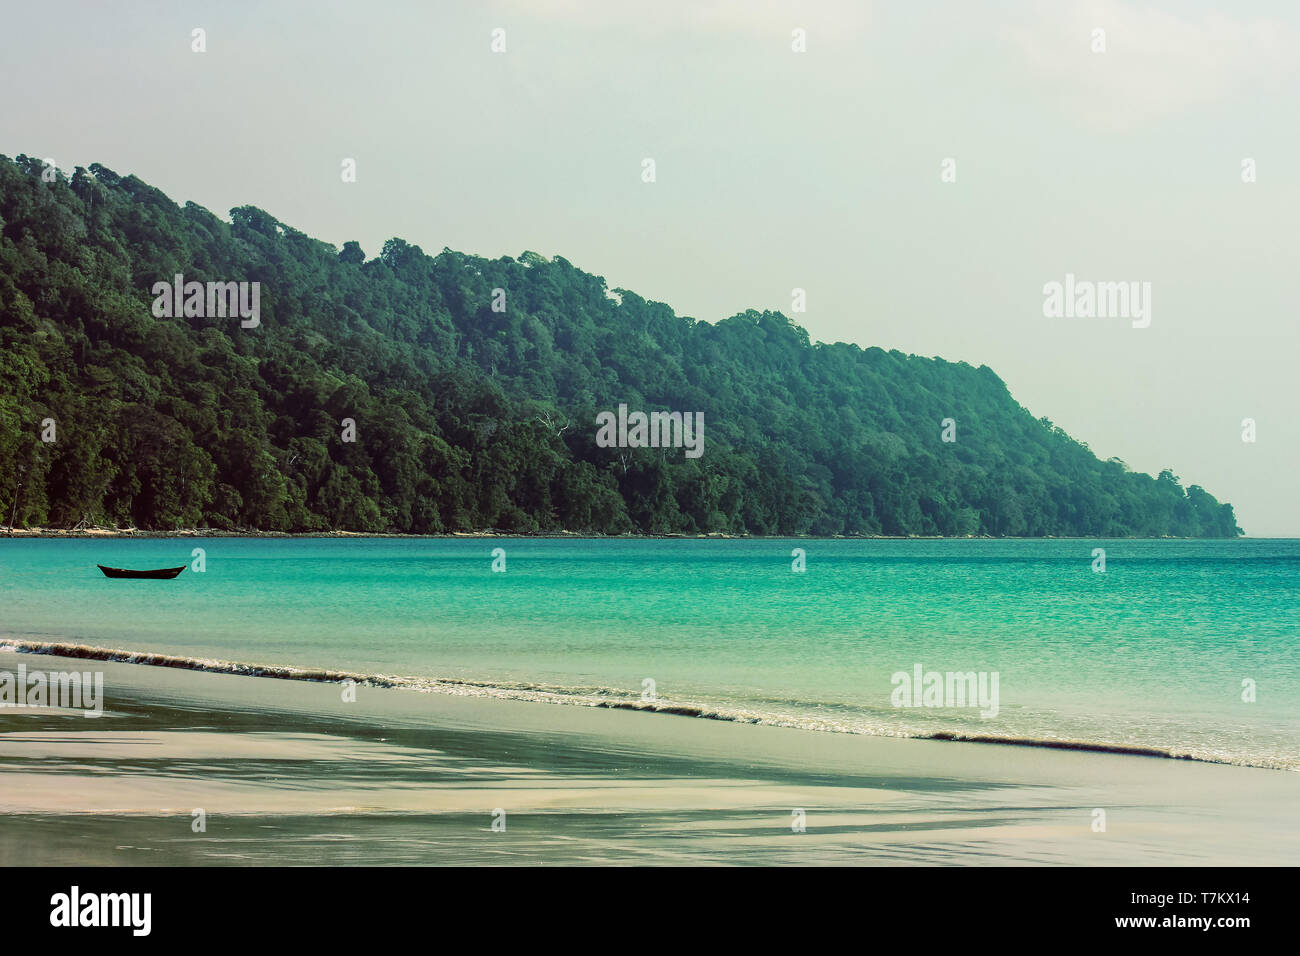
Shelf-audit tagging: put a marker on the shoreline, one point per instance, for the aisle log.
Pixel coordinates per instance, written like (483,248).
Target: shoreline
(537,694)
(288,772)
(96,533)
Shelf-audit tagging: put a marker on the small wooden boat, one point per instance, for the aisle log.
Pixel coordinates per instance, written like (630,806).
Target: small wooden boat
(161,574)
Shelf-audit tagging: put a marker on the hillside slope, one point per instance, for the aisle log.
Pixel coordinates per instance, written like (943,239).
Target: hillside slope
(469,418)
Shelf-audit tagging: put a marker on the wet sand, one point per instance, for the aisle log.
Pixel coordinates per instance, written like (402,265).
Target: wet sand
(290,773)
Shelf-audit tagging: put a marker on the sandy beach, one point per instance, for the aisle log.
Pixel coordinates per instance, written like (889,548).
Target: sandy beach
(289,772)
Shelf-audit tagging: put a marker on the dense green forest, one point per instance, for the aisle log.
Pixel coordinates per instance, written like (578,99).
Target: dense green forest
(468,418)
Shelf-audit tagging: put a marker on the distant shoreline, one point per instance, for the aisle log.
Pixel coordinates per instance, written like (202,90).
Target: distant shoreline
(578,535)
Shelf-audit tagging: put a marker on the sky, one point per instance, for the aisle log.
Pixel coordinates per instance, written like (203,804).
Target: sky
(1117,156)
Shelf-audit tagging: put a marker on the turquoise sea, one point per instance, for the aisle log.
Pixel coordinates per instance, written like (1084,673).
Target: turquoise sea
(1152,653)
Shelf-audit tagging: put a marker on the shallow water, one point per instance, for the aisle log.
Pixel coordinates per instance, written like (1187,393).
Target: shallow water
(1152,653)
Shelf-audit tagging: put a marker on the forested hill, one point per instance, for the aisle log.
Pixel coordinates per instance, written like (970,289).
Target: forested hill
(469,418)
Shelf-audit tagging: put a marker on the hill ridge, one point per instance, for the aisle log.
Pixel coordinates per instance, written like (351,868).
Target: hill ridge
(431,394)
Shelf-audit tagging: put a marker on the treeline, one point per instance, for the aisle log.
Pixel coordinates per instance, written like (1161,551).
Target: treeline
(469,418)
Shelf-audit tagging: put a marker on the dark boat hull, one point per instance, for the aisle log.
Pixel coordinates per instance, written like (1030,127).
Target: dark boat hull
(161,574)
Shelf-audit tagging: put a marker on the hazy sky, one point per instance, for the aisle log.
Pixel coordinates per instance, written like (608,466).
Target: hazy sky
(774,170)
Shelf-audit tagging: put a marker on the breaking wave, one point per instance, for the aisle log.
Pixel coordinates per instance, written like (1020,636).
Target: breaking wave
(611,698)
